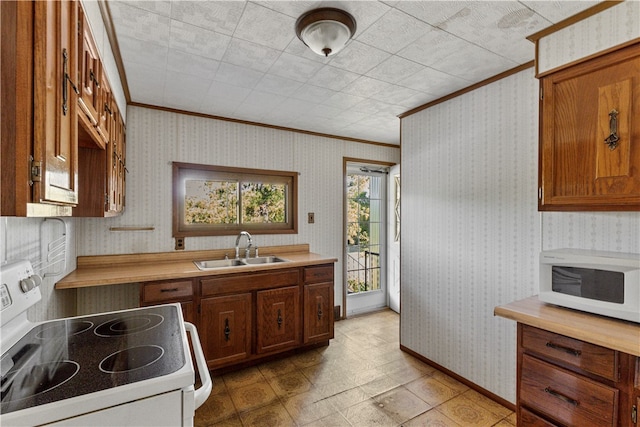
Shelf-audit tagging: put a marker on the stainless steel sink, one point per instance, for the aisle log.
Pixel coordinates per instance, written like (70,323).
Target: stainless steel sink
(264,260)
(223,263)
(218,263)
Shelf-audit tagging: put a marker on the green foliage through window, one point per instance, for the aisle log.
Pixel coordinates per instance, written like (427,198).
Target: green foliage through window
(214,200)
(363,233)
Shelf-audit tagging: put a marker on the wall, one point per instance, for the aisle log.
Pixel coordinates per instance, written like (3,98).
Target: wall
(471,232)
(29,238)
(156,138)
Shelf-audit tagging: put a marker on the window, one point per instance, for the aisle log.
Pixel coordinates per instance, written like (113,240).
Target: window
(217,200)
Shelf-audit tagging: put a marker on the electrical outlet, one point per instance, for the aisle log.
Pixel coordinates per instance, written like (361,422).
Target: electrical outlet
(311,217)
(179,243)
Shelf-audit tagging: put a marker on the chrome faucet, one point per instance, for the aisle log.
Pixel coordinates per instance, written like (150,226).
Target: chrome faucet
(248,247)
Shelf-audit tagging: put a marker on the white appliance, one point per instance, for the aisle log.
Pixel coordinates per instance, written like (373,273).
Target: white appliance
(125,368)
(605,283)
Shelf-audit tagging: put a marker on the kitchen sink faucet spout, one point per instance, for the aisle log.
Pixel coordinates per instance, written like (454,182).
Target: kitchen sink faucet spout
(248,247)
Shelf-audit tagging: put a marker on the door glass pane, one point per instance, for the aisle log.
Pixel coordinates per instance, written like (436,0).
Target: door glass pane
(364,217)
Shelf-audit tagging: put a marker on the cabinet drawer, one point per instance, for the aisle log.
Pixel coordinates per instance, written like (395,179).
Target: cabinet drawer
(588,357)
(155,292)
(566,397)
(248,282)
(529,419)
(318,274)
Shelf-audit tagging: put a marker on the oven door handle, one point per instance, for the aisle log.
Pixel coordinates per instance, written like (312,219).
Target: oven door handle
(202,393)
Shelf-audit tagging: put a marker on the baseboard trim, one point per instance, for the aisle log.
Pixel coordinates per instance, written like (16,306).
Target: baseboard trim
(463,380)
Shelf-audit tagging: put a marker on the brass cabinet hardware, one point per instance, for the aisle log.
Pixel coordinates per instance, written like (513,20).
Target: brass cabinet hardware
(613,138)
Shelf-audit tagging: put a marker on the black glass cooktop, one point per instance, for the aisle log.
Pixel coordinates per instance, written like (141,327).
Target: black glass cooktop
(65,358)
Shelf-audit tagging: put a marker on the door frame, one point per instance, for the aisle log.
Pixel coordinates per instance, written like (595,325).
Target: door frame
(345,162)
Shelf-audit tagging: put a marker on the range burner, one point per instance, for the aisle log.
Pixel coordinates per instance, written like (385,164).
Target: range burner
(31,381)
(128,325)
(131,359)
(64,329)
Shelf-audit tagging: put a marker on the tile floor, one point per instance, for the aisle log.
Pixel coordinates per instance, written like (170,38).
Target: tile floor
(361,379)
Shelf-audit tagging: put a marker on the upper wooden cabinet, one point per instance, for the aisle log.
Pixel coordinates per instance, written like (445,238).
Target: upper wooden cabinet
(89,73)
(101,136)
(39,101)
(590,134)
(56,105)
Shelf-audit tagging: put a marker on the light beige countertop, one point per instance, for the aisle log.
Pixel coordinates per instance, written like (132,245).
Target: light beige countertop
(600,330)
(103,270)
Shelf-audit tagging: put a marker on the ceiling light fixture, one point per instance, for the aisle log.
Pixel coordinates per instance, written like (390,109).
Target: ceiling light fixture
(325,30)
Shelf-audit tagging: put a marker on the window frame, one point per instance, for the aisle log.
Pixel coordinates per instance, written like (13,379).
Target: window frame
(183,172)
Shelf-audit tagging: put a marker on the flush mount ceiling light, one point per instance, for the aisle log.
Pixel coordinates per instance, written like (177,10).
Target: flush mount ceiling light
(325,30)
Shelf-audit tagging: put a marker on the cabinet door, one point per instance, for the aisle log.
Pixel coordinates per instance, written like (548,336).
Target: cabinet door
(318,312)
(225,328)
(88,70)
(278,319)
(105,109)
(581,107)
(55,101)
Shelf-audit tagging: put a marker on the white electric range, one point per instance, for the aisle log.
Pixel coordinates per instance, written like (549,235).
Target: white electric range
(125,368)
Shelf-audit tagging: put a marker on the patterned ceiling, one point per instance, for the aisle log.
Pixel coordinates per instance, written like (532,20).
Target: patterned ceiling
(242,59)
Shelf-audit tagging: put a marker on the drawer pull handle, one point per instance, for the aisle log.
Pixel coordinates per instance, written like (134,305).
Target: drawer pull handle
(565,349)
(561,396)
(319,311)
(227,329)
(169,290)
(279,318)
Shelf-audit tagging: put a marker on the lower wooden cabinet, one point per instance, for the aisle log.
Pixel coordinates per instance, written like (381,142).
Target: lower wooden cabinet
(225,328)
(245,317)
(318,303)
(278,319)
(563,381)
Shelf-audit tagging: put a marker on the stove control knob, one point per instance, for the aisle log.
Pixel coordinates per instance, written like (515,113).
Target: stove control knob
(30,283)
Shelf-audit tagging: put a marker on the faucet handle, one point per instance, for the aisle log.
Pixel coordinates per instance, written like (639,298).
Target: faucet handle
(256,255)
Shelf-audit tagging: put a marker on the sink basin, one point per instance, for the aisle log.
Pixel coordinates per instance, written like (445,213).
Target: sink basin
(264,260)
(222,263)
(218,263)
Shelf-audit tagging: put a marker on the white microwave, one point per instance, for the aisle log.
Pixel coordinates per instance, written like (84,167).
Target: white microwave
(605,283)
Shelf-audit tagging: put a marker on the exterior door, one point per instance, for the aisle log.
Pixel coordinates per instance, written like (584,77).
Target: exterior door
(365,256)
(393,238)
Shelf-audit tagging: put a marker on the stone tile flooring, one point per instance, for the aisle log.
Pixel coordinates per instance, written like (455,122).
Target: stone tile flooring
(361,379)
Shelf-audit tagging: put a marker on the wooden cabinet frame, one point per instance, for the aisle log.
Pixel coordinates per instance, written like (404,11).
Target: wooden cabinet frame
(577,169)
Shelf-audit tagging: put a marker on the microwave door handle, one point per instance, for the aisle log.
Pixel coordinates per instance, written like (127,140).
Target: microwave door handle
(203,392)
